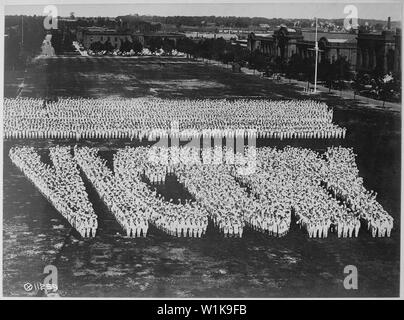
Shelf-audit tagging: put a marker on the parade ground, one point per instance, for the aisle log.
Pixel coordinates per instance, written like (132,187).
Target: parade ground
(111,264)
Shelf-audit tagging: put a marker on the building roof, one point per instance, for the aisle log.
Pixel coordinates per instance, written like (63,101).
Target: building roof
(311,36)
(267,34)
(67,19)
(338,40)
(103,31)
(386,35)
(165,34)
(289,30)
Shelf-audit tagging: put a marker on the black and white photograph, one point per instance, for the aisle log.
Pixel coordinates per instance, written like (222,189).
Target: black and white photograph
(195,149)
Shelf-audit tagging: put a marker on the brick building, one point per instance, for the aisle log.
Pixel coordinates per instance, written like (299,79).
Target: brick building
(365,51)
(379,51)
(89,35)
(285,42)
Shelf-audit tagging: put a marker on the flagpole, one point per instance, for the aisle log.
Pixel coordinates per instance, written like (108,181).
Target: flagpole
(22,31)
(315,66)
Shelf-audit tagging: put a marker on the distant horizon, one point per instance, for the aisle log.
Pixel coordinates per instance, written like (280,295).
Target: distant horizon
(326,11)
(156,15)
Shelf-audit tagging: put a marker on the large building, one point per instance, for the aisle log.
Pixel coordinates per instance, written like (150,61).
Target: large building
(87,36)
(264,42)
(331,44)
(285,42)
(172,36)
(211,35)
(365,51)
(379,51)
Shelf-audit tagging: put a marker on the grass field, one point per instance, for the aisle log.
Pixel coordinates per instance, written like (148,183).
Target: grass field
(136,77)
(255,266)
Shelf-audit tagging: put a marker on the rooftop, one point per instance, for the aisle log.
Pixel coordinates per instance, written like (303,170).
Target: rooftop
(330,36)
(98,31)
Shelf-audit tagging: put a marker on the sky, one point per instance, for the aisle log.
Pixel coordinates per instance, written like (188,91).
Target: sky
(257,8)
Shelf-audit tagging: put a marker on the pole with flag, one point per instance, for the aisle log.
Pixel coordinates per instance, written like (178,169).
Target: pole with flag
(315,66)
(22,31)
(317,50)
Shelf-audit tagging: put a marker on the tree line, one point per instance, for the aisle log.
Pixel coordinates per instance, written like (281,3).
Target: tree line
(126,46)
(24,36)
(336,74)
(23,39)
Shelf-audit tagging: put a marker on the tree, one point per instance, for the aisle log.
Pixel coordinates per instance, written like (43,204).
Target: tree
(167,45)
(24,34)
(125,46)
(107,46)
(328,73)
(11,50)
(67,43)
(137,46)
(186,45)
(96,46)
(342,68)
(295,66)
(257,60)
(57,41)
(155,43)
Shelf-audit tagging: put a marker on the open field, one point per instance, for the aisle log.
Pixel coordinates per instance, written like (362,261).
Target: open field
(160,265)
